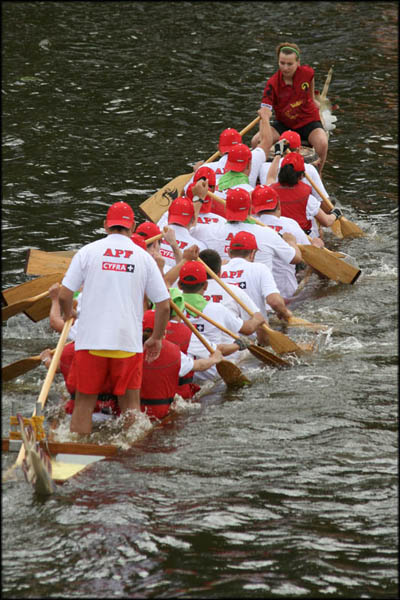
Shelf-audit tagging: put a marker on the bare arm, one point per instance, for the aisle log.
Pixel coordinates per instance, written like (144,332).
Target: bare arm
(265,130)
(172,275)
(278,305)
(202,364)
(325,219)
(252,324)
(169,236)
(153,344)
(65,298)
(56,320)
(273,170)
(291,240)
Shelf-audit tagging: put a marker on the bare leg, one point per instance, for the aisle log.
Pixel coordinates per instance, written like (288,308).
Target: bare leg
(128,402)
(319,141)
(81,420)
(255,140)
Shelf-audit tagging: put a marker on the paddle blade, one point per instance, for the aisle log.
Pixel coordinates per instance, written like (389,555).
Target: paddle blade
(30,288)
(328,264)
(299,322)
(39,311)
(19,367)
(267,357)
(231,374)
(350,229)
(39,262)
(281,343)
(154,207)
(336,229)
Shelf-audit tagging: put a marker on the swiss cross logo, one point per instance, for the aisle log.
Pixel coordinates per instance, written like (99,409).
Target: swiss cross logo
(121,268)
(199,327)
(117,253)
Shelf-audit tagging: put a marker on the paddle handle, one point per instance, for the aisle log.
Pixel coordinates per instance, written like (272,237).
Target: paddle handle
(54,362)
(191,327)
(242,133)
(326,200)
(153,239)
(210,320)
(326,84)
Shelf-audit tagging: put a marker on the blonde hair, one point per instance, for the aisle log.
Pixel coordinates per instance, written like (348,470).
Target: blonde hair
(288,48)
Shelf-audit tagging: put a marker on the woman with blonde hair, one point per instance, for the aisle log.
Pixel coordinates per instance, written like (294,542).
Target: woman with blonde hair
(290,92)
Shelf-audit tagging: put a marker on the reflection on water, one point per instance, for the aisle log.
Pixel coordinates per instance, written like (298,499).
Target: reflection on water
(288,488)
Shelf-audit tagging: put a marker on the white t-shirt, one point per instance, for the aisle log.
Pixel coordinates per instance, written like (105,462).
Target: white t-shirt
(285,274)
(220,314)
(115,274)
(184,240)
(270,244)
(186,365)
(216,293)
(255,278)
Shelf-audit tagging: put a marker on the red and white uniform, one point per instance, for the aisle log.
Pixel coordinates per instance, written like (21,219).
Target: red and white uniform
(285,274)
(216,293)
(313,174)
(292,103)
(255,278)
(297,203)
(115,274)
(270,244)
(184,239)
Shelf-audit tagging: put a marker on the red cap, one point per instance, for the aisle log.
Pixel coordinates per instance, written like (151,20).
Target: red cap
(138,240)
(238,158)
(263,197)
(193,272)
(243,241)
(292,137)
(295,159)
(120,214)
(147,230)
(206,172)
(148,319)
(238,203)
(181,211)
(228,138)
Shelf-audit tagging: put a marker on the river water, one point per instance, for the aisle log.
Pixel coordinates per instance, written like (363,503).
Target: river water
(288,488)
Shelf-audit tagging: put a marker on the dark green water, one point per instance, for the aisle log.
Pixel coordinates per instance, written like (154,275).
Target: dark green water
(287,489)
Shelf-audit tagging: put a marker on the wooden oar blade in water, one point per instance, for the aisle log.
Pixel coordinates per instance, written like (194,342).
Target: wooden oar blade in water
(266,357)
(39,262)
(350,229)
(329,265)
(232,374)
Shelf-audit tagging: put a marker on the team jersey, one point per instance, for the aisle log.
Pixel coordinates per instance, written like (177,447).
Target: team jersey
(255,278)
(216,293)
(292,103)
(297,203)
(220,314)
(184,240)
(285,274)
(115,274)
(270,244)
(311,171)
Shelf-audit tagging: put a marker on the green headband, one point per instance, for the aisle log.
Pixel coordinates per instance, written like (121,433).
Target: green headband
(291,50)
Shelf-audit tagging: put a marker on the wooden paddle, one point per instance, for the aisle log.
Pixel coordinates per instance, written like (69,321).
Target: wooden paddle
(348,229)
(280,342)
(44,391)
(299,322)
(320,259)
(154,207)
(41,308)
(260,353)
(21,366)
(17,307)
(229,372)
(39,262)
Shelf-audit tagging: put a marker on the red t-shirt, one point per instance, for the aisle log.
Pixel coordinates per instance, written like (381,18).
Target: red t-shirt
(293,202)
(293,104)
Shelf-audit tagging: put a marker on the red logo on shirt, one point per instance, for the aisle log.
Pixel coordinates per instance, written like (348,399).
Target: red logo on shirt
(214,298)
(232,274)
(118,253)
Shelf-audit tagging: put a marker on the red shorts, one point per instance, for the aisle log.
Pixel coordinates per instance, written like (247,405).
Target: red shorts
(89,373)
